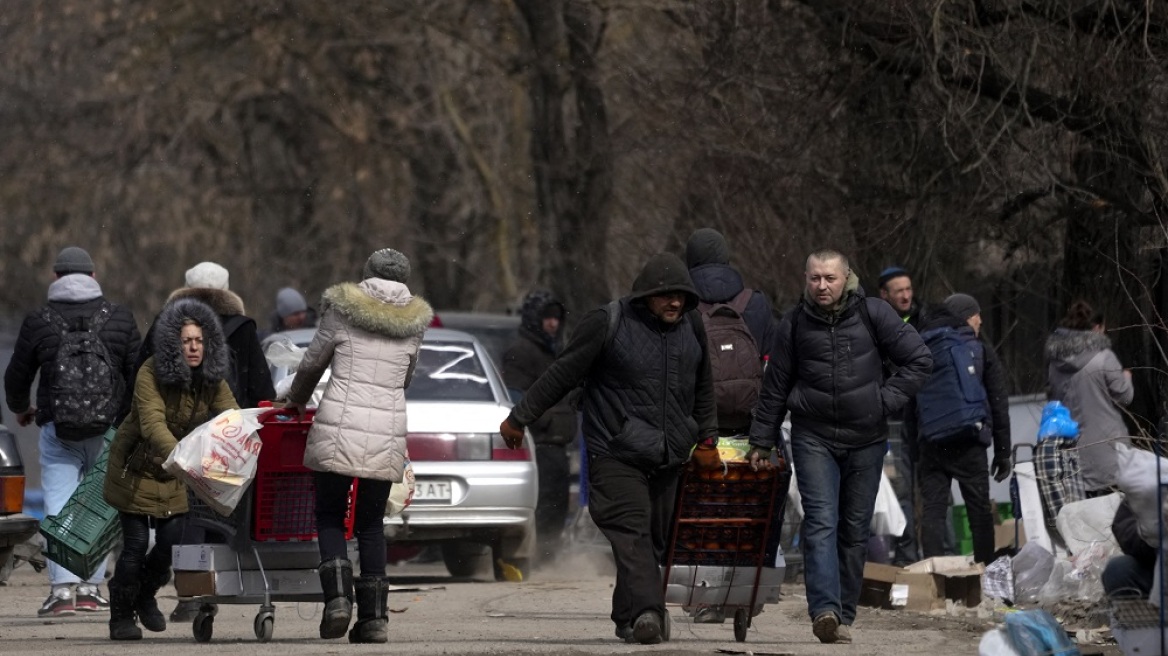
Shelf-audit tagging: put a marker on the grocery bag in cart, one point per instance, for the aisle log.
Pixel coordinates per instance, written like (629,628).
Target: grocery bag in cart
(217,460)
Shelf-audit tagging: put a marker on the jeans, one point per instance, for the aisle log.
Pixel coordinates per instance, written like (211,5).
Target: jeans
(332,501)
(135,561)
(938,468)
(551,509)
(634,510)
(838,485)
(63,464)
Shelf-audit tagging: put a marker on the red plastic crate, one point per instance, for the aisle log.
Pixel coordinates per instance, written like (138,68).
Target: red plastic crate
(285,494)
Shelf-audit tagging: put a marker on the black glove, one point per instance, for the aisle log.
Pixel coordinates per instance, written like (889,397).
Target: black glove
(1002,466)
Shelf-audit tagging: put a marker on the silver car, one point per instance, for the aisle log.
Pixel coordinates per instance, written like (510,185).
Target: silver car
(473,494)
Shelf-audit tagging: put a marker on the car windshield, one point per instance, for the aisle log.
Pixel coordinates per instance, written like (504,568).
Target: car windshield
(449,371)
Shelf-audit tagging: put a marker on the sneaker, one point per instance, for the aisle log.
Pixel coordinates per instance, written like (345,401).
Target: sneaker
(647,628)
(58,604)
(845,634)
(826,626)
(625,633)
(710,615)
(89,599)
(185,611)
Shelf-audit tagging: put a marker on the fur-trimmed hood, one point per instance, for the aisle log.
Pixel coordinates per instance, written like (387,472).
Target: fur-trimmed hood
(170,367)
(224,302)
(1071,350)
(382,307)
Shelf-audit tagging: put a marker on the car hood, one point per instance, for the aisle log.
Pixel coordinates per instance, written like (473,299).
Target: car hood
(439,417)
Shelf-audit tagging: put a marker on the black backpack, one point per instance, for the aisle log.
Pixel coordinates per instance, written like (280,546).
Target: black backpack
(735,361)
(85,388)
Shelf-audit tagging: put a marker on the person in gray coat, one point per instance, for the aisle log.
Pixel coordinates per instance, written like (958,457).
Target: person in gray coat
(1084,374)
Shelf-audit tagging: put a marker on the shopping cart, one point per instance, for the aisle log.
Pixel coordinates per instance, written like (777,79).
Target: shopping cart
(272,533)
(724,554)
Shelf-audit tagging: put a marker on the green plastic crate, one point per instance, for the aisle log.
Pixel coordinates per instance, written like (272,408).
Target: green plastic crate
(961,524)
(81,536)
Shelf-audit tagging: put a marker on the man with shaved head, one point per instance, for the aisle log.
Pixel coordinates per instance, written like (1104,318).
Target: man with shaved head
(827,369)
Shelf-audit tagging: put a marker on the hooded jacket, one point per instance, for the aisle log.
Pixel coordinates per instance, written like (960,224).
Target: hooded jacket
(76,296)
(827,370)
(369,333)
(716,281)
(249,376)
(648,394)
(170,400)
(528,357)
(1084,374)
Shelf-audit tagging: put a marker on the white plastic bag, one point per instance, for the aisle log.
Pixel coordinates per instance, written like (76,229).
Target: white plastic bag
(995,642)
(1137,474)
(888,518)
(217,460)
(401,495)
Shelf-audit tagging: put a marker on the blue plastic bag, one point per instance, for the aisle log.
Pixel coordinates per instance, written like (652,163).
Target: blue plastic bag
(1038,633)
(1057,422)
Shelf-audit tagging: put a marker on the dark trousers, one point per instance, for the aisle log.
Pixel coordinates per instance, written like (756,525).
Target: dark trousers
(137,558)
(551,509)
(936,471)
(1126,577)
(634,510)
(332,500)
(905,489)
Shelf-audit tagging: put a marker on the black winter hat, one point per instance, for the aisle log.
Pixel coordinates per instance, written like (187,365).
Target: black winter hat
(888,274)
(665,273)
(962,306)
(706,246)
(387,264)
(73,260)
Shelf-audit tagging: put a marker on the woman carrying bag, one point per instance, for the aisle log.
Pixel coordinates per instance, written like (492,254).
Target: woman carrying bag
(369,333)
(180,387)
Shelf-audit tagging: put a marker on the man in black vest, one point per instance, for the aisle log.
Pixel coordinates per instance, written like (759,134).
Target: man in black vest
(648,400)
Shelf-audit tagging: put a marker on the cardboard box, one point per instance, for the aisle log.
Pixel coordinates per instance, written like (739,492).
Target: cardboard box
(930,582)
(246,582)
(876,588)
(1004,535)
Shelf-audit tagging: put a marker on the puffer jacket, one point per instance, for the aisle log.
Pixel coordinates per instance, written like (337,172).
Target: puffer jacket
(250,378)
(170,400)
(1084,374)
(370,333)
(76,296)
(528,357)
(827,370)
(648,393)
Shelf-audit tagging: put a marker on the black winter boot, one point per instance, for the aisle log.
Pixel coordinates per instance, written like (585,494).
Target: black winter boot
(372,619)
(336,581)
(146,605)
(122,624)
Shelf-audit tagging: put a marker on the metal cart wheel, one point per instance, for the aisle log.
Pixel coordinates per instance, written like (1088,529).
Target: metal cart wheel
(265,626)
(666,627)
(203,627)
(741,624)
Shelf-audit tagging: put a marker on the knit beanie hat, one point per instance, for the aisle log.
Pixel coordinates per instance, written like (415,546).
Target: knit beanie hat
(890,273)
(73,260)
(387,264)
(208,275)
(962,306)
(289,301)
(706,246)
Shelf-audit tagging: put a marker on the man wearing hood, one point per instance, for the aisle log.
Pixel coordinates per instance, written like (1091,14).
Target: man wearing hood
(74,297)
(827,369)
(708,257)
(534,350)
(648,400)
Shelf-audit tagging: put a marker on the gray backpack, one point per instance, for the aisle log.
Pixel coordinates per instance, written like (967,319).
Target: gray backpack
(85,388)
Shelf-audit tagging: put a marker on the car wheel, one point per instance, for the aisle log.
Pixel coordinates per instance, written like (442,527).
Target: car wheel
(462,559)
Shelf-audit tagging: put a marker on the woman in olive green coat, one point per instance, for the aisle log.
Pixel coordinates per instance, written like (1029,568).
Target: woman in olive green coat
(182,386)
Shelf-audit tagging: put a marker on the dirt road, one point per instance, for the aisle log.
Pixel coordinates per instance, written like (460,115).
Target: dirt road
(560,612)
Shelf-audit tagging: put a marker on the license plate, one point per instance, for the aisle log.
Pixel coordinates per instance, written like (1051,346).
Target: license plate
(432,491)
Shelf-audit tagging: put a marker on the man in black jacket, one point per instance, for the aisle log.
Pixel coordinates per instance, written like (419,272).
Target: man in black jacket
(827,369)
(960,456)
(648,400)
(1132,573)
(76,297)
(534,350)
(708,257)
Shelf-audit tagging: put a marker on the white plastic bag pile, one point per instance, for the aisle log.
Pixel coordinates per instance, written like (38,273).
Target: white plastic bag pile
(217,460)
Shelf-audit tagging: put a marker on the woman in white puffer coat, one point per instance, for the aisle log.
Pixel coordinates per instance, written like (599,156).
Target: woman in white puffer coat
(369,333)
